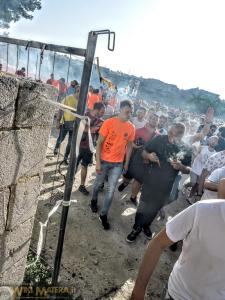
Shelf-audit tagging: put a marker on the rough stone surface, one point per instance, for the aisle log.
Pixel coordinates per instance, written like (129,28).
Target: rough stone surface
(22,153)
(8,94)
(23,201)
(4,200)
(14,276)
(14,246)
(32,108)
(25,121)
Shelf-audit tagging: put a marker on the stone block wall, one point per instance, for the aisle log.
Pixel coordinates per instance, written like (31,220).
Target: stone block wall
(25,123)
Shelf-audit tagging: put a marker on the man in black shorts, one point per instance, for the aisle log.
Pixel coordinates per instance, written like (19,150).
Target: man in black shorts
(166,157)
(85,155)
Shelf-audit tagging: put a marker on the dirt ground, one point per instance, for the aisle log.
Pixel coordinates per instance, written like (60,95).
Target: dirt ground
(99,264)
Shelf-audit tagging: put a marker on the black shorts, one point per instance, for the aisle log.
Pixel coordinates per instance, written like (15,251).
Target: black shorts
(85,157)
(137,168)
(137,172)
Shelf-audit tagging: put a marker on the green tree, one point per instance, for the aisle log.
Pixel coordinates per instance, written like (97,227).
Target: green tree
(13,10)
(199,103)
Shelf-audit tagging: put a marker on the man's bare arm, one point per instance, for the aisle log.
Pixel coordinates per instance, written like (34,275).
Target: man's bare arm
(202,178)
(221,189)
(149,262)
(201,135)
(212,186)
(101,139)
(128,154)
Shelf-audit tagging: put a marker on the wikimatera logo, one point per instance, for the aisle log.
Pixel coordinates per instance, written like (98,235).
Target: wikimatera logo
(30,292)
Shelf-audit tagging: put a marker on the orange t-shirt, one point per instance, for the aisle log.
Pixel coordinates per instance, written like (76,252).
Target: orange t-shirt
(92,99)
(117,135)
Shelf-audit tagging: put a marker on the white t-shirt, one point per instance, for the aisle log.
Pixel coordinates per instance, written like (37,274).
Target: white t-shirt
(201,159)
(215,161)
(215,177)
(199,273)
(138,124)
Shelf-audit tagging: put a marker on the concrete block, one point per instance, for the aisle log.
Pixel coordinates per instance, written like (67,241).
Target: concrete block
(4,200)
(8,93)
(23,201)
(14,275)
(22,153)
(32,108)
(14,246)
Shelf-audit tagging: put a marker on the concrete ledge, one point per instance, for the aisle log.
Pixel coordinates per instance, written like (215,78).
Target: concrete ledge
(32,108)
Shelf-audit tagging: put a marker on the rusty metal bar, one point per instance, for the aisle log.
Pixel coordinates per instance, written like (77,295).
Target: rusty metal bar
(50,47)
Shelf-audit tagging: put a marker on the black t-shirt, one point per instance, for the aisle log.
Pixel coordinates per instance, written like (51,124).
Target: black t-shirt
(167,152)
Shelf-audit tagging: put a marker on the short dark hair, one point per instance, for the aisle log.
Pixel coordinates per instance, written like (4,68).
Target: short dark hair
(179,125)
(126,103)
(75,82)
(95,91)
(98,105)
(213,126)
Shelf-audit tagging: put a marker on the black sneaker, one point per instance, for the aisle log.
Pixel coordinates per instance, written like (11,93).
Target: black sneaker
(104,222)
(147,232)
(134,201)
(55,151)
(132,236)
(122,186)
(94,206)
(83,190)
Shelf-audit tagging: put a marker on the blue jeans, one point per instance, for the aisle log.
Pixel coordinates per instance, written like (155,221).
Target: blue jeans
(113,171)
(67,127)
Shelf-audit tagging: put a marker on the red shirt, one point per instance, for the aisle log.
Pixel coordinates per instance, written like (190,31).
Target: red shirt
(145,134)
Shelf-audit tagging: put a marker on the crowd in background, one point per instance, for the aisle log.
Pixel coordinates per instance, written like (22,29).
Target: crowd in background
(158,150)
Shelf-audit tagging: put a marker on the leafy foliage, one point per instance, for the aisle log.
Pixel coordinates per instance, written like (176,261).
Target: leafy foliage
(13,10)
(199,104)
(38,273)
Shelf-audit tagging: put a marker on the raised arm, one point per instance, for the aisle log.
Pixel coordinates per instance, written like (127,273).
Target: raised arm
(150,260)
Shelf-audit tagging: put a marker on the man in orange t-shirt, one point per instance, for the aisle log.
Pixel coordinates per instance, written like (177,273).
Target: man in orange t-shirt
(116,137)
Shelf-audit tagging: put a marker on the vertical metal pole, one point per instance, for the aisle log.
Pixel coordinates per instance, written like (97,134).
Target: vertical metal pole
(36,67)
(28,60)
(17,57)
(7,57)
(40,63)
(68,71)
(90,52)
(53,66)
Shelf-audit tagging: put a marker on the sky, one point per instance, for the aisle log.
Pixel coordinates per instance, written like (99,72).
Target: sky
(177,41)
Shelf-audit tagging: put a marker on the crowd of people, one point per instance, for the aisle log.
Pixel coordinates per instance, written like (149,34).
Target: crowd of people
(158,150)
(150,146)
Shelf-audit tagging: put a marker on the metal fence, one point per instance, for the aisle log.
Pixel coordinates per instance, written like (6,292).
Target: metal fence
(88,55)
